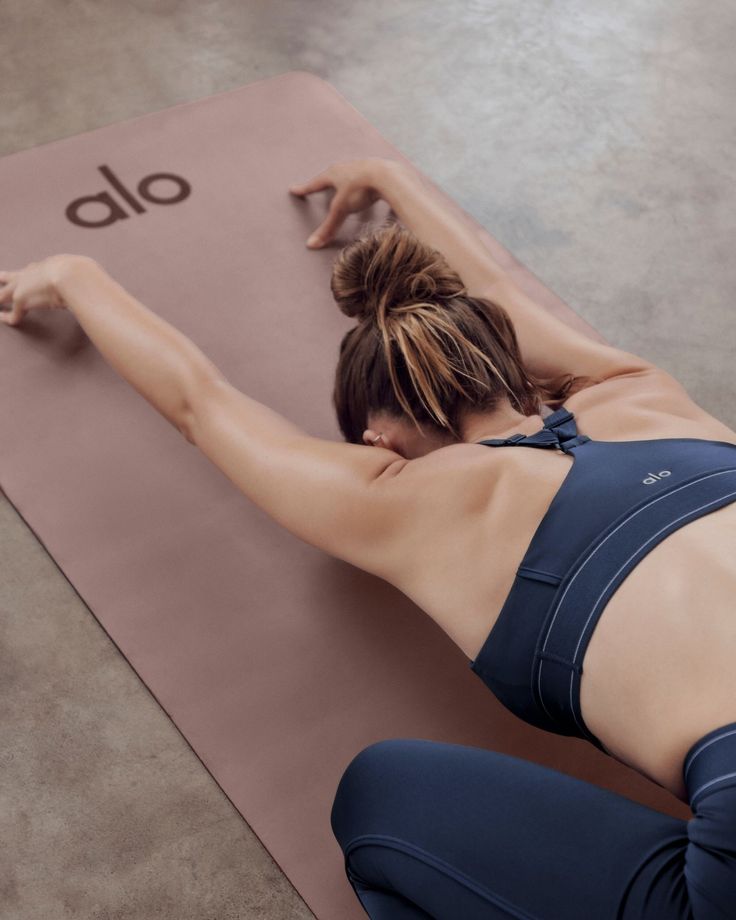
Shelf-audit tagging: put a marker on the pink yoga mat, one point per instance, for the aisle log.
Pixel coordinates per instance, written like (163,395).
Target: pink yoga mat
(277,662)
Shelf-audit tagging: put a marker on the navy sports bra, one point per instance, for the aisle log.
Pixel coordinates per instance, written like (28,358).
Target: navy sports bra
(617,502)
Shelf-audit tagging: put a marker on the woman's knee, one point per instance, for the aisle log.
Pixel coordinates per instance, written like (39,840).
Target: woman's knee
(365,794)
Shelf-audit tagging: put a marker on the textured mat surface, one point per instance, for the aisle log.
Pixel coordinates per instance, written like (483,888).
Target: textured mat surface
(275,661)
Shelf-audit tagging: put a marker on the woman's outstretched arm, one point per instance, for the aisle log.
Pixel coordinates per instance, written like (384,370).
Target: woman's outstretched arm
(549,346)
(336,496)
(155,358)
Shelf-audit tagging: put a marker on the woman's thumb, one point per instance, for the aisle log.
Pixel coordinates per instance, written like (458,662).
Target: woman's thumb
(316,239)
(329,226)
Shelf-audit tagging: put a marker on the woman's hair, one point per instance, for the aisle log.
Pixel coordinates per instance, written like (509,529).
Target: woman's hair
(424,348)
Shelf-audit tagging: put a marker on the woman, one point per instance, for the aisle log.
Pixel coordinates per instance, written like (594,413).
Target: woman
(448,358)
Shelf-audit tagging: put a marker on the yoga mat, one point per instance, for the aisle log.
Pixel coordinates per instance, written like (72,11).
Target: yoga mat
(277,662)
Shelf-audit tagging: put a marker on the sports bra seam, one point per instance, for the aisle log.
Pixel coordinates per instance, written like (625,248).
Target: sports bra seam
(560,659)
(522,570)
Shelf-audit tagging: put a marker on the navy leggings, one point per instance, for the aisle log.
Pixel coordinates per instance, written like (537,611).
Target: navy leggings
(451,832)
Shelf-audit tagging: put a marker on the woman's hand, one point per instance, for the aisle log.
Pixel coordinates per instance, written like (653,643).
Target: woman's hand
(356,184)
(32,288)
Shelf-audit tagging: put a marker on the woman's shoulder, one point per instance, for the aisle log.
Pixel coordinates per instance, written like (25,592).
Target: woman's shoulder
(647,403)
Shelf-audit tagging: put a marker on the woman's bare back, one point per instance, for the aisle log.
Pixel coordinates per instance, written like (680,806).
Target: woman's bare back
(658,671)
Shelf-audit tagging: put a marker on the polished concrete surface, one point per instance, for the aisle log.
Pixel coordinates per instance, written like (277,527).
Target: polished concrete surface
(594,139)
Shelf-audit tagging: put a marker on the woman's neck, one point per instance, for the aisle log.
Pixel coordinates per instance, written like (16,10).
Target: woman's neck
(501,423)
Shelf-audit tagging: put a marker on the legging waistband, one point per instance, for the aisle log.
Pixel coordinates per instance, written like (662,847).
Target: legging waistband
(710,764)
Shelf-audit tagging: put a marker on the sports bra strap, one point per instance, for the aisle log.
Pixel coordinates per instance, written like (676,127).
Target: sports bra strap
(559,430)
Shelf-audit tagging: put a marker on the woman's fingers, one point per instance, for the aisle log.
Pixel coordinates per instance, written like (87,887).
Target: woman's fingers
(330,225)
(6,288)
(10,310)
(316,184)
(338,209)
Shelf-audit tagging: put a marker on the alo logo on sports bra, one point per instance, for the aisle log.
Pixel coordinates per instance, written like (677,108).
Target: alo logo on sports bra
(655,477)
(595,530)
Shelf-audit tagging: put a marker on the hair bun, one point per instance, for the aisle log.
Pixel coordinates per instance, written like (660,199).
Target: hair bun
(387,267)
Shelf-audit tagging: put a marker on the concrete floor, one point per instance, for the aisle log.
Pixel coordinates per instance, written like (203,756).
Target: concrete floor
(594,138)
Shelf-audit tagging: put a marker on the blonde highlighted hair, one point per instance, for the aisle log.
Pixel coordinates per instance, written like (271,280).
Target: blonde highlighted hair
(424,349)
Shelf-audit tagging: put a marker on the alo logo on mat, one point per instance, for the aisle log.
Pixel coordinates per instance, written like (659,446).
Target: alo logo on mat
(655,477)
(115,210)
